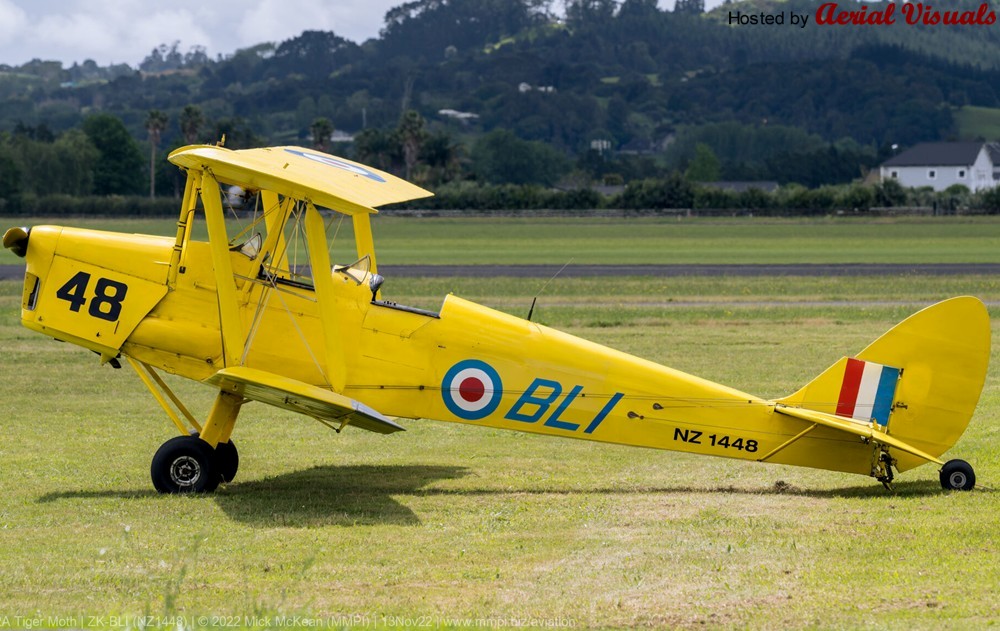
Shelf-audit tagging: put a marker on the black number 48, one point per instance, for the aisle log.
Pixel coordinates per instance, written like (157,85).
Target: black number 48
(108,296)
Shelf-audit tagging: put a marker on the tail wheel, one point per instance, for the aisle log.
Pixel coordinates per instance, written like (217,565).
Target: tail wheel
(185,464)
(227,460)
(957,475)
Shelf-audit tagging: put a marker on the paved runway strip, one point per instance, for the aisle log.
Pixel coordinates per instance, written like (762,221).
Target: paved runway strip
(16,272)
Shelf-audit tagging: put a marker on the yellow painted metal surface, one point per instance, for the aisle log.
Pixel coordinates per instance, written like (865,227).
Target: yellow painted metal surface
(83,295)
(335,332)
(325,180)
(222,417)
(221,265)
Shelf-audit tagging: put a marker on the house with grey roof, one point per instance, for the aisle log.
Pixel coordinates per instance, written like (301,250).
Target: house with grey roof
(942,164)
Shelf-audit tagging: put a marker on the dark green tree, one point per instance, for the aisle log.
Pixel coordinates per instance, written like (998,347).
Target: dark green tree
(237,133)
(156,122)
(191,121)
(989,200)
(119,166)
(321,130)
(500,157)
(412,135)
(589,12)
(77,156)
(690,7)
(672,192)
(857,197)
(10,182)
(427,28)
(315,54)
(442,157)
(65,166)
(889,193)
(377,147)
(704,166)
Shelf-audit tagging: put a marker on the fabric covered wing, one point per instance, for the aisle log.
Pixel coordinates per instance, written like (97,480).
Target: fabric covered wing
(328,181)
(297,396)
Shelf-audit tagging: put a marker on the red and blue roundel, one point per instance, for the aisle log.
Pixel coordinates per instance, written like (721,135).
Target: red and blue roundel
(471,389)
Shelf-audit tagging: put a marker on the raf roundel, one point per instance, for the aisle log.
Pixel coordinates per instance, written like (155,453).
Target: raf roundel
(471,389)
(331,161)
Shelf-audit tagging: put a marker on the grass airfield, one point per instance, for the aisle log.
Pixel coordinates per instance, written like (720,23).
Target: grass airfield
(453,526)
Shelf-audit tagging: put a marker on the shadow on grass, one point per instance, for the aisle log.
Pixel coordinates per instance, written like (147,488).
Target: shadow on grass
(321,496)
(365,495)
(332,495)
(874,490)
(918,488)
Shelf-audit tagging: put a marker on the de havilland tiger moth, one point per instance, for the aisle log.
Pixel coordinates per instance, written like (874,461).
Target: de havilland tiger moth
(263,316)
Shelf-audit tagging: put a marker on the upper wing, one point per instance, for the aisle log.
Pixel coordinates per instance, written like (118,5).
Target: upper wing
(328,181)
(297,396)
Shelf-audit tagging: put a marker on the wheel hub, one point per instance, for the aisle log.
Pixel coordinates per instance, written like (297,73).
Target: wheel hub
(957,480)
(185,471)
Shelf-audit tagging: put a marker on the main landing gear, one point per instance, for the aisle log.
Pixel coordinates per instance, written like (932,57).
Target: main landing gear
(187,464)
(957,475)
(196,461)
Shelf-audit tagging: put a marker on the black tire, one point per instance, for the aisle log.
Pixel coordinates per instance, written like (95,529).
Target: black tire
(227,460)
(184,464)
(957,475)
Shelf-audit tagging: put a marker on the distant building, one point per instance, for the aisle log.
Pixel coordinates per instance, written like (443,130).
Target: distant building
(975,165)
(462,116)
(527,87)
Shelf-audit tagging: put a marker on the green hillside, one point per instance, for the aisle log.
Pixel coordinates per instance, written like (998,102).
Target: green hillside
(615,91)
(978,122)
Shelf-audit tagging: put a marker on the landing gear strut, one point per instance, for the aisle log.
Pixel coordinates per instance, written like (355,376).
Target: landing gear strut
(188,463)
(882,469)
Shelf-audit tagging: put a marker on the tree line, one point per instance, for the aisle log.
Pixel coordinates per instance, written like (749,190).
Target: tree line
(626,73)
(102,158)
(100,169)
(678,193)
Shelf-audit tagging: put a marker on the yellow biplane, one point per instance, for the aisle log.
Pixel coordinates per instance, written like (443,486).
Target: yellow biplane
(264,316)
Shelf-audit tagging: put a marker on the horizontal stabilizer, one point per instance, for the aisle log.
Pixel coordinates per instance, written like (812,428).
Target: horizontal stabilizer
(865,431)
(300,397)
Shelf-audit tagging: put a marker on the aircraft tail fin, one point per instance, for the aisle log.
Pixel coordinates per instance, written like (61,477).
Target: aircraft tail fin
(919,382)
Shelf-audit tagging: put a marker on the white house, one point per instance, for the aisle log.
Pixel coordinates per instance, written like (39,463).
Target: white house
(942,164)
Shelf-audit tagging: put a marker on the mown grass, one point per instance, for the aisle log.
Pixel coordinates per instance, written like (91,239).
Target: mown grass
(652,240)
(407,240)
(687,297)
(448,523)
(977,122)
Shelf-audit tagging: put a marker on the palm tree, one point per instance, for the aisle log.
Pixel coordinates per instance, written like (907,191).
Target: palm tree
(191,121)
(412,136)
(156,122)
(321,130)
